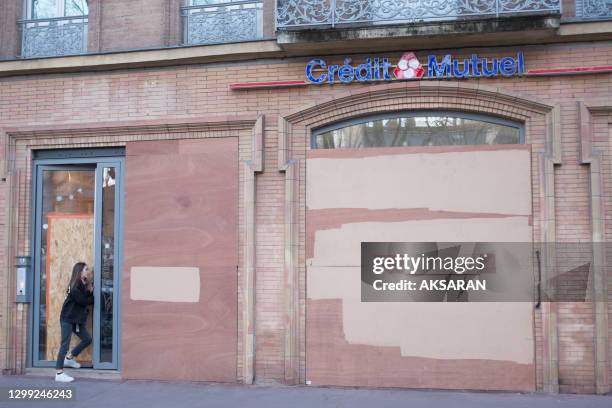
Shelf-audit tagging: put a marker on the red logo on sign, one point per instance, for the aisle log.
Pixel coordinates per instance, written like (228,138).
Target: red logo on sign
(408,67)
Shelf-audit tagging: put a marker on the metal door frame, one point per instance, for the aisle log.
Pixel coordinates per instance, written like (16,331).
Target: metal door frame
(117,262)
(39,165)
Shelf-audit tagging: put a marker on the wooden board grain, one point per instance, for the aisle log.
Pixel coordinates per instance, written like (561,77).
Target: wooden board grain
(181,207)
(70,239)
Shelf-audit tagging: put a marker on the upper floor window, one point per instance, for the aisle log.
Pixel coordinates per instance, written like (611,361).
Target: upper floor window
(221,21)
(54,27)
(419,129)
(58,8)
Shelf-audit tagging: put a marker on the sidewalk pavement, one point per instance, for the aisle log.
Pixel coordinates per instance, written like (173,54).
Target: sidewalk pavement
(152,394)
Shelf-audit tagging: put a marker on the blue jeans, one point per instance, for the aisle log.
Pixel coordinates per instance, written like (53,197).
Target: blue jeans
(67,330)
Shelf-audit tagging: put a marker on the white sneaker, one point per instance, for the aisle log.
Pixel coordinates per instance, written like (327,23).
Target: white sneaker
(72,363)
(63,377)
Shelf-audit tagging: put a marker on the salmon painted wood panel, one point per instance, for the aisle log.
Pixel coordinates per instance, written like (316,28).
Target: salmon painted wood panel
(180,248)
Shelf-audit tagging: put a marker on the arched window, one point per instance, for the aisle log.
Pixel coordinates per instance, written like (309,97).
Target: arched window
(418,129)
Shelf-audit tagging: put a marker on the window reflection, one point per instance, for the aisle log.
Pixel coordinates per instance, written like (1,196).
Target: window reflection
(426,130)
(59,8)
(66,236)
(76,8)
(107,265)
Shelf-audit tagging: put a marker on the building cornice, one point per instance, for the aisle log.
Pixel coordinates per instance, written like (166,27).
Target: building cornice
(275,48)
(142,58)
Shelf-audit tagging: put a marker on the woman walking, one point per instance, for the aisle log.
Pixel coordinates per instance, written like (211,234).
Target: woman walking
(72,320)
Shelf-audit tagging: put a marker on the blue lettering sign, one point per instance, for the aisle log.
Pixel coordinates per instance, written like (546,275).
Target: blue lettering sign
(363,72)
(386,66)
(346,72)
(439,70)
(494,69)
(475,61)
(508,66)
(311,66)
(381,69)
(464,72)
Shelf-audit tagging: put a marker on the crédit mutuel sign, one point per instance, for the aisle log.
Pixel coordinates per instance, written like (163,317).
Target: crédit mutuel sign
(409,67)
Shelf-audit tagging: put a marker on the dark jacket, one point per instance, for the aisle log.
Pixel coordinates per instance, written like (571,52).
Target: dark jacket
(74,309)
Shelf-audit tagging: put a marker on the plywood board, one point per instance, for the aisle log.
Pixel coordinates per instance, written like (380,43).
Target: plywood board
(447,194)
(181,203)
(70,239)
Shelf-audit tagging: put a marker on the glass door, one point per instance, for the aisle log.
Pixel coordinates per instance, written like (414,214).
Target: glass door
(77,218)
(106,280)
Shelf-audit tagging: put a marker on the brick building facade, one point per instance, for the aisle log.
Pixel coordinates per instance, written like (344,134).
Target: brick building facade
(190,117)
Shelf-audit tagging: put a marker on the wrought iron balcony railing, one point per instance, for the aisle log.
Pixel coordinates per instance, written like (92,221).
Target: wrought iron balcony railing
(594,9)
(51,37)
(223,22)
(296,14)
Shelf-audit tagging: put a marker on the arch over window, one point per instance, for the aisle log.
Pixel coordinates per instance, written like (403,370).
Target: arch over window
(421,128)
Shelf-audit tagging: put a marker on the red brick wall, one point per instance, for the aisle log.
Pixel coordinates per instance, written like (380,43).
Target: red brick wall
(269,226)
(602,134)
(190,91)
(576,325)
(10,41)
(269,18)
(133,24)
(568,8)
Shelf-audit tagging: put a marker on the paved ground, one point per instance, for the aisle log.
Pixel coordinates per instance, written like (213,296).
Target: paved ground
(137,394)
